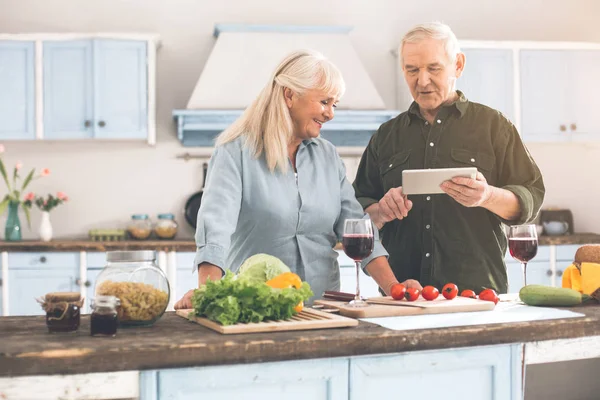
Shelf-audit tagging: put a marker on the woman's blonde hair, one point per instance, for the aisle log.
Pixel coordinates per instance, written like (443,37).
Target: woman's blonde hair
(266,123)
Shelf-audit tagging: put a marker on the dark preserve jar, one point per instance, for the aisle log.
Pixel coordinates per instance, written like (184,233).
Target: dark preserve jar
(62,311)
(104,316)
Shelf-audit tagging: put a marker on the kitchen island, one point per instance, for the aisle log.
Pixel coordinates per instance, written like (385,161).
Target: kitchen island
(177,359)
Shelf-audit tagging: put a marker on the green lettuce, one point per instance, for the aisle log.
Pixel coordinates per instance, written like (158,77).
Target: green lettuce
(231,300)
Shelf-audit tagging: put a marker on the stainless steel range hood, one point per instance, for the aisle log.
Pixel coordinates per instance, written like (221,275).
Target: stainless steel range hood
(242,60)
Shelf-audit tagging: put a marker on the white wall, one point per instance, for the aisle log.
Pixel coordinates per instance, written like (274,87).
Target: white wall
(108,181)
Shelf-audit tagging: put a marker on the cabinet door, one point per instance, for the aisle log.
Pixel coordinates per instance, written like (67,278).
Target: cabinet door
(26,285)
(17,90)
(488,79)
(120,89)
(545,105)
(479,373)
(325,379)
(538,273)
(584,78)
(68,107)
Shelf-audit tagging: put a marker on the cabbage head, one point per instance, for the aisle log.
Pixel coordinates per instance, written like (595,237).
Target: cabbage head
(261,268)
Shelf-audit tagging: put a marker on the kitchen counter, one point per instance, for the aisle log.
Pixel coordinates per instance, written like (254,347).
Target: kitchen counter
(27,349)
(188,245)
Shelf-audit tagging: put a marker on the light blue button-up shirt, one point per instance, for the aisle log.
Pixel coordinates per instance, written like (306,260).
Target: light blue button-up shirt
(247,209)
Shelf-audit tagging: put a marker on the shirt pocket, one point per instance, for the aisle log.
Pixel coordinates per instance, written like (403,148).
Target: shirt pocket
(467,158)
(391,169)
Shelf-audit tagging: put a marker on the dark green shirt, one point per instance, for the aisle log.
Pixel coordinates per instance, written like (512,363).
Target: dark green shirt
(441,241)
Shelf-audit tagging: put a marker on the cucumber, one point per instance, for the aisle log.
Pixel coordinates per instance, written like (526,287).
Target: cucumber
(539,295)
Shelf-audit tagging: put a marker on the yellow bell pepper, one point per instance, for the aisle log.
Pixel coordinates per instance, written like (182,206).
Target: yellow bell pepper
(287,280)
(590,277)
(571,278)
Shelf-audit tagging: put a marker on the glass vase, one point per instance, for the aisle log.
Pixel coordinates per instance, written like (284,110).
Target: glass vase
(12,231)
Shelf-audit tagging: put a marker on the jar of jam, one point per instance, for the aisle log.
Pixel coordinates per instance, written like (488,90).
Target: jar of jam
(62,311)
(104,320)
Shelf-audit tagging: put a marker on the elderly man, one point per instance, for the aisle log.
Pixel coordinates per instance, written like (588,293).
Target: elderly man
(454,237)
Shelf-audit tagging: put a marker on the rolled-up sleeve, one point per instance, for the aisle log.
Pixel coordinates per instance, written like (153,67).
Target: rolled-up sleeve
(519,174)
(220,207)
(351,209)
(367,184)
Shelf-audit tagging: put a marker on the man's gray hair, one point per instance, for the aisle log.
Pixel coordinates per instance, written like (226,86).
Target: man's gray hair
(433,30)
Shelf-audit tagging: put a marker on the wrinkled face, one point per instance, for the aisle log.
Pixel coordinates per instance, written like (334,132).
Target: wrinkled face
(309,112)
(429,74)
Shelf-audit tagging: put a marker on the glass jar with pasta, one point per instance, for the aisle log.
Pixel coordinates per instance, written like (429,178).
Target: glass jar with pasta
(141,287)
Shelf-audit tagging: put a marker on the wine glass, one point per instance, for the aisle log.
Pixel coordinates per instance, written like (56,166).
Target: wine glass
(523,245)
(358,242)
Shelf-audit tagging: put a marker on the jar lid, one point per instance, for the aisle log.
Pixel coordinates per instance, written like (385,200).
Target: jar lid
(139,216)
(166,216)
(124,255)
(62,296)
(105,301)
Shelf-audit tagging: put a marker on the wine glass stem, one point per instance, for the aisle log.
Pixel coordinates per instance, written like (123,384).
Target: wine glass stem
(524,266)
(357,295)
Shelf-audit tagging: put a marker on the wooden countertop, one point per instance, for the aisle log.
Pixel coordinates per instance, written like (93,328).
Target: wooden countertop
(27,348)
(190,246)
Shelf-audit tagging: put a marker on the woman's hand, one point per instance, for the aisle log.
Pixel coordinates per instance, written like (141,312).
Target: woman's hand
(186,301)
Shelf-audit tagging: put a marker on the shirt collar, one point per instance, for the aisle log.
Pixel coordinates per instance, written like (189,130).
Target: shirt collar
(460,106)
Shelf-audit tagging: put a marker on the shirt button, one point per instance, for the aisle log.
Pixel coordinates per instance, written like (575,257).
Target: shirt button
(472,160)
(426,254)
(439,121)
(426,123)
(390,166)
(431,144)
(428,198)
(427,226)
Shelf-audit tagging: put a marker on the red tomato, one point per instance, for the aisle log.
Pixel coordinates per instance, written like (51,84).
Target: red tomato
(489,295)
(412,294)
(450,290)
(468,293)
(398,291)
(430,293)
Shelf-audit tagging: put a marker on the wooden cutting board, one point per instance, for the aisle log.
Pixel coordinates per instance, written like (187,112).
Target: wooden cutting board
(306,319)
(388,307)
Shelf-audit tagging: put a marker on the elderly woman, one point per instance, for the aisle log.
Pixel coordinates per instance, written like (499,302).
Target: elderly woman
(274,186)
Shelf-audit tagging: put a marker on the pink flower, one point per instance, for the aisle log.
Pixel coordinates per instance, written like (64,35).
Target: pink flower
(62,196)
(18,165)
(45,172)
(1,148)
(30,196)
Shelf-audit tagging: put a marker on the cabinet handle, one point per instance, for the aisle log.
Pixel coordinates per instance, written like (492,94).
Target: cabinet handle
(563,128)
(549,272)
(573,127)
(559,273)
(86,283)
(101,124)
(0,282)
(43,259)
(87,123)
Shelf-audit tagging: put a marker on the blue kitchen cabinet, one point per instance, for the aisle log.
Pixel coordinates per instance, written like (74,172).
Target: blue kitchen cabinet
(95,89)
(17,90)
(120,89)
(539,270)
(325,379)
(95,262)
(186,278)
(488,79)
(32,275)
(567,114)
(68,90)
(474,373)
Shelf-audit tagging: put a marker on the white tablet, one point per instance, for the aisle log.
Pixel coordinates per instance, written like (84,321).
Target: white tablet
(428,181)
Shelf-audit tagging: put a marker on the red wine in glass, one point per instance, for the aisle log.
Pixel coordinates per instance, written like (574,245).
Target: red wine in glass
(358,246)
(523,249)
(523,245)
(358,242)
